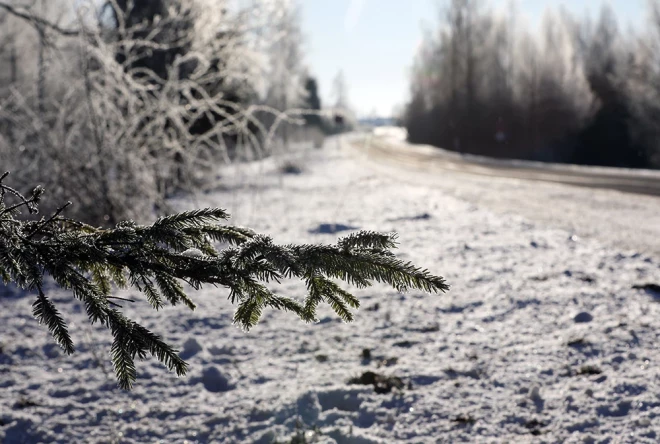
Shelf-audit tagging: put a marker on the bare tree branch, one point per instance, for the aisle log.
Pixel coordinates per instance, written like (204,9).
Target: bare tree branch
(39,22)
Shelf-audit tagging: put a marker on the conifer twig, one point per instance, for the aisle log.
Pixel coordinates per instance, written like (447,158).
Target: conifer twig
(48,221)
(155,259)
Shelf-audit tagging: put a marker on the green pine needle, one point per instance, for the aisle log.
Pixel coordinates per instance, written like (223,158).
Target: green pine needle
(182,248)
(46,313)
(194,218)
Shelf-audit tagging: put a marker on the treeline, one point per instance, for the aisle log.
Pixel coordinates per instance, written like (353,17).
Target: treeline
(116,105)
(576,91)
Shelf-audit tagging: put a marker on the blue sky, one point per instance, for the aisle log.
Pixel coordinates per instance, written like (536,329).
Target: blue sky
(373,41)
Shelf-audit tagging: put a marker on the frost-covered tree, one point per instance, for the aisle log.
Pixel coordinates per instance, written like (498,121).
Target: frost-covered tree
(285,73)
(608,137)
(482,84)
(569,90)
(344,118)
(340,91)
(641,83)
(158,259)
(146,98)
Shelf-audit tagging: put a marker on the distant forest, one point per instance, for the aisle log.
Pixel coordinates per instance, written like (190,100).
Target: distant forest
(573,91)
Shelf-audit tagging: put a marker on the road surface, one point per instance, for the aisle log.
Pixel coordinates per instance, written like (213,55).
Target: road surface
(618,206)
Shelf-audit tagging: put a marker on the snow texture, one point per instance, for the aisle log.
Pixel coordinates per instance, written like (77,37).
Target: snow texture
(542,337)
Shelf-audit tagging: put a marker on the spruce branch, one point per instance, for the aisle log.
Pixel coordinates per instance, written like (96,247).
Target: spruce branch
(183,248)
(368,240)
(46,313)
(43,224)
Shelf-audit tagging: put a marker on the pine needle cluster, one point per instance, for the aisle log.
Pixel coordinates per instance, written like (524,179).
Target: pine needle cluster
(182,248)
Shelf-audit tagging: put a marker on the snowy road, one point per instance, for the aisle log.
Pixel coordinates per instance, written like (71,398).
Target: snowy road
(542,337)
(596,209)
(637,181)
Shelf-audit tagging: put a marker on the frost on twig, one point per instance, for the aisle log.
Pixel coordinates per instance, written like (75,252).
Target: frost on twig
(158,259)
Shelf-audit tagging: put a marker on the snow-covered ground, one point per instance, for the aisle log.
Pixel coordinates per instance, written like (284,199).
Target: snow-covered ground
(541,339)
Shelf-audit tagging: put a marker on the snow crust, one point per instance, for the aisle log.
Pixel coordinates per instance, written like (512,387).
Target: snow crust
(541,339)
